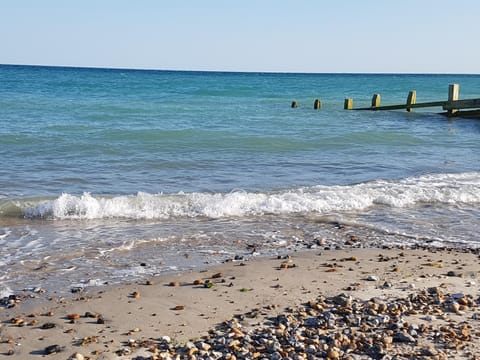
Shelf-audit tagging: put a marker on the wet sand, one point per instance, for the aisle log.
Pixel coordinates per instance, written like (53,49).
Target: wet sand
(337,304)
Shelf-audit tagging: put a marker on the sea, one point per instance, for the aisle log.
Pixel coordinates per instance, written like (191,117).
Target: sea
(110,176)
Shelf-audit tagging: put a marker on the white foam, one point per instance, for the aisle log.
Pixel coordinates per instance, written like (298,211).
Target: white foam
(5,291)
(440,188)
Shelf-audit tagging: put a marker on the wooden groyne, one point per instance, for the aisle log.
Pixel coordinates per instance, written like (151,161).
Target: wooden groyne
(453,105)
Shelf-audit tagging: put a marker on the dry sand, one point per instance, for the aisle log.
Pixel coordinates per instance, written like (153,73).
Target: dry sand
(252,292)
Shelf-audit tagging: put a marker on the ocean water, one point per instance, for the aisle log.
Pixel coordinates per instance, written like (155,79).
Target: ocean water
(109,176)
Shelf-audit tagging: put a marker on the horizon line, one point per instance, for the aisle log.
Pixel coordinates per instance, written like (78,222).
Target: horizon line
(234,71)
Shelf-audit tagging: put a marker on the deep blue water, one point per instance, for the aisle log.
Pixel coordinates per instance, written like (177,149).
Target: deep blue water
(202,158)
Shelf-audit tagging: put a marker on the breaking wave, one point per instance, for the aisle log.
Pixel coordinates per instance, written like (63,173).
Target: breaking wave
(451,189)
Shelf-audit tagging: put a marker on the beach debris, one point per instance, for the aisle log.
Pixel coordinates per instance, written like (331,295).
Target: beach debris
(208,284)
(178,308)
(174,283)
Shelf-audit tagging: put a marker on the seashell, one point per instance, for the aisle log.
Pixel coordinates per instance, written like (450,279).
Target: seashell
(178,308)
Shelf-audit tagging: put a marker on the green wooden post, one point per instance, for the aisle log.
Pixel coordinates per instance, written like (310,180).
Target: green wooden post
(411,99)
(375,101)
(453,93)
(317,104)
(348,104)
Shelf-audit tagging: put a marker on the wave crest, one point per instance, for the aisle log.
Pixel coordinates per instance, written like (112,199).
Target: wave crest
(432,189)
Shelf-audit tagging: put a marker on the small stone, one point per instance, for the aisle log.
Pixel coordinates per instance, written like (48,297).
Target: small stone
(77,356)
(178,308)
(53,349)
(372,278)
(17,321)
(452,273)
(136,295)
(174,283)
(217,276)
(47,326)
(166,339)
(333,354)
(403,338)
(343,300)
(454,307)
(73,316)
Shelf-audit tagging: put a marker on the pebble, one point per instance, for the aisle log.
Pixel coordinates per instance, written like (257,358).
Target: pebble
(337,327)
(53,349)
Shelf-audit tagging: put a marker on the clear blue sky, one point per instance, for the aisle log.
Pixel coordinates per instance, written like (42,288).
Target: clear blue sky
(433,36)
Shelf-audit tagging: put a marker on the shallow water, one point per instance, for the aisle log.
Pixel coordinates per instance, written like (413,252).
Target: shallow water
(112,175)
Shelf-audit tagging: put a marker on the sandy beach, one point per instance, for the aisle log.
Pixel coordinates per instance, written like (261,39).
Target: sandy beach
(336,304)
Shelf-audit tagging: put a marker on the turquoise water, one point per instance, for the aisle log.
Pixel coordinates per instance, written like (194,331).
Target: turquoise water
(103,169)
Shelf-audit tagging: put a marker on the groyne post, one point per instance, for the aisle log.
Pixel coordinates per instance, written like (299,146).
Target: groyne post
(453,94)
(376,101)
(317,104)
(348,104)
(294,104)
(411,99)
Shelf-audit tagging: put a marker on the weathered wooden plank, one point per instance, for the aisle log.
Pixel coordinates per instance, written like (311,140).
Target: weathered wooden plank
(405,106)
(462,104)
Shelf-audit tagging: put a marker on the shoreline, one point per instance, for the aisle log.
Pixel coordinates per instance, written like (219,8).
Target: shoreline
(137,319)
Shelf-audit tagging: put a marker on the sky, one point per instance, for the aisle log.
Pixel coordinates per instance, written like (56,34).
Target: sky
(316,36)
